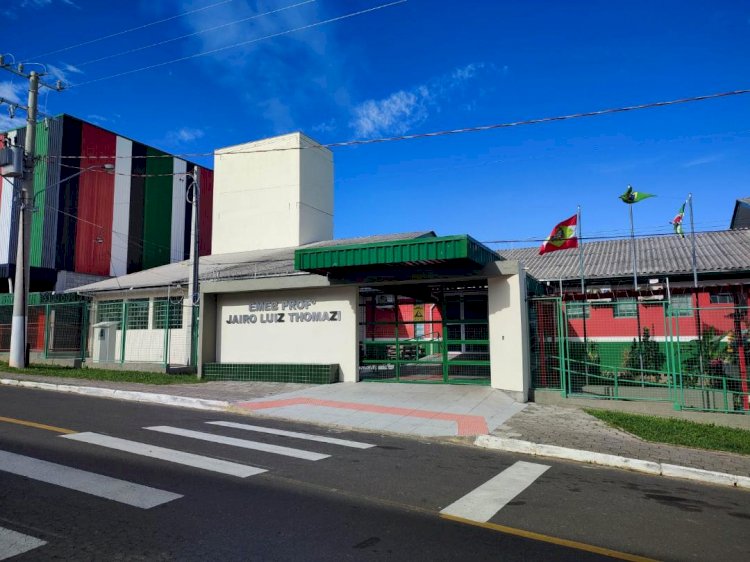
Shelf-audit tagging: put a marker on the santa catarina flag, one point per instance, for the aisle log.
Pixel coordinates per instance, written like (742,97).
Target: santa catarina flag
(562,237)
(677,222)
(631,196)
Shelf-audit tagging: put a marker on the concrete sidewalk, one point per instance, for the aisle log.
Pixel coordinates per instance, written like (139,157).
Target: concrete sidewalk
(417,410)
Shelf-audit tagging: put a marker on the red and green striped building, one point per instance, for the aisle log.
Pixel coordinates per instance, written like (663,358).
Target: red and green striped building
(100,223)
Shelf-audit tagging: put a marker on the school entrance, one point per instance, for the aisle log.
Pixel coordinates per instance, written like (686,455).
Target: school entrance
(434,333)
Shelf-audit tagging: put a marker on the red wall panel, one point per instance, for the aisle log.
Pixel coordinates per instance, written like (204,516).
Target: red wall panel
(206,210)
(95,202)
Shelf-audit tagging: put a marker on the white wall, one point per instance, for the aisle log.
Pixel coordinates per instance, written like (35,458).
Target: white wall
(509,352)
(279,196)
(290,341)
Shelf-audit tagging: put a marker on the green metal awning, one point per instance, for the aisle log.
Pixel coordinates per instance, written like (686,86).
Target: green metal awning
(462,249)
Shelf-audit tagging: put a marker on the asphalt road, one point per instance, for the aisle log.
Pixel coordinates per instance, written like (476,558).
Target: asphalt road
(384,501)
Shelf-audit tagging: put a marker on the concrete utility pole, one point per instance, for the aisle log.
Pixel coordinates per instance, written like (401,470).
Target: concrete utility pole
(17,356)
(194,283)
(21,285)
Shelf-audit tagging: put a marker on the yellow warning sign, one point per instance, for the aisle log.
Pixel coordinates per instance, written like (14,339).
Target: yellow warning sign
(418,313)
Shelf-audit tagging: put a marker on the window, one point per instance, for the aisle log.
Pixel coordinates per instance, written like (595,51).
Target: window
(681,305)
(577,310)
(137,314)
(160,312)
(722,298)
(109,311)
(626,308)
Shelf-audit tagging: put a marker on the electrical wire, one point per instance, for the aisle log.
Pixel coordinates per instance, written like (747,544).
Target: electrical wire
(240,44)
(449,131)
(200,32)
(137,28)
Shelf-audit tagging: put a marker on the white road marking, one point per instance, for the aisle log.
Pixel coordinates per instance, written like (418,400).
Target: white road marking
(482,503)
(91,483)
(12,543)
(242,443)
(169,455)
(295,434)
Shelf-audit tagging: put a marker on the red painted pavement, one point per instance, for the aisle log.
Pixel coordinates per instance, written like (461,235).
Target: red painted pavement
(466,425)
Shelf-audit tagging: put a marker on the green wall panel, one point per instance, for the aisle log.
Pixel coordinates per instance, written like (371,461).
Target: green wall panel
(157,212)
(41,146)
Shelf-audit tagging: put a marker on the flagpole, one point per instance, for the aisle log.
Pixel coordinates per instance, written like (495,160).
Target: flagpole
(635,288)
(699,331)
(583,292)
(692,236)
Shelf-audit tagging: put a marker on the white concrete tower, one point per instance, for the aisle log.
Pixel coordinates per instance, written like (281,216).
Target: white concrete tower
(272,193)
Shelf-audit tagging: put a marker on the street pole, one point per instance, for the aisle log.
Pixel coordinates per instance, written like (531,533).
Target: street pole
(17,356)
(698,321)
(194,283)
(635,289)
(583,292)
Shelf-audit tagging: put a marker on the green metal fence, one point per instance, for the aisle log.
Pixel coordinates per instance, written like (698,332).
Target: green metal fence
(668,351)
(156,330)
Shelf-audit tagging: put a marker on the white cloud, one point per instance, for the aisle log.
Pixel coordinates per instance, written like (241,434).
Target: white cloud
(11,90)
(394,114)
(63,71)
(710,159)
(183,135)
(404,109)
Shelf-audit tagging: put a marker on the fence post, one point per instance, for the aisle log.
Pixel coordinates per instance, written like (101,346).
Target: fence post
(85,311)
(47,320)
(123,326)
(166,331)
(561,335)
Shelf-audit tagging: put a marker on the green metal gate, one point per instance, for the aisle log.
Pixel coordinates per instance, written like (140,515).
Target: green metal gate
(445,340)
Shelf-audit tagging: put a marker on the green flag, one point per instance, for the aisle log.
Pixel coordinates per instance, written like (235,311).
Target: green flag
(631,196)
(677,222)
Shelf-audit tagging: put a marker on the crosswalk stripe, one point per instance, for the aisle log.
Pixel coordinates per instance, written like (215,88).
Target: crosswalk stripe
(482,503)
(170,455)
(242,443)
(295,434)
(12,543)
(91,483)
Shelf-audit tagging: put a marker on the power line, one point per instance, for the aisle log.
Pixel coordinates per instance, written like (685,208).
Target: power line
(208,30)
(594,238)
(450,131)
(124,31)
(240,44)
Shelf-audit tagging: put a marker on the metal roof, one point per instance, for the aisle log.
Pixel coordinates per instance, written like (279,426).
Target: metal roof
(415,251)
(716,252)
(236,265)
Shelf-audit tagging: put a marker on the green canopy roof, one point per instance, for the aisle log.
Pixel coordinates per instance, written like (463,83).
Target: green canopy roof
(412,252)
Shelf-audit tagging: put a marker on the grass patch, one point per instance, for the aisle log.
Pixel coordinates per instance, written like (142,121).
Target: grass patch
(678,432)
(102,374)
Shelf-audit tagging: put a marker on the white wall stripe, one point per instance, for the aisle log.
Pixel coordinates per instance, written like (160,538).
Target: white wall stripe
(296,435)
(91,483)
(12,543)
(121,208)
(169,455)
(242,443)
(482,503)
(7,248)
(179,183)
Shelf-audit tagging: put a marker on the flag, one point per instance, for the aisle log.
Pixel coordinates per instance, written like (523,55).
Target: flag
(562,237)
(677,222)
(631,196)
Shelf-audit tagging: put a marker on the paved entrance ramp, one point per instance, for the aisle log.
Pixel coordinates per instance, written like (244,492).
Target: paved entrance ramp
(439,410)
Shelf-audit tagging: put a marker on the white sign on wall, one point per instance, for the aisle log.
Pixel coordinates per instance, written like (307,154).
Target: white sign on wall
(285,312)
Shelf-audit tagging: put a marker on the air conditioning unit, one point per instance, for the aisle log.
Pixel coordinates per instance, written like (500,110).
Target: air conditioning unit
(385,300)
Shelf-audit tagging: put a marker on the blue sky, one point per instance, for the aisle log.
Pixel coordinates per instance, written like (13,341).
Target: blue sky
(427,65)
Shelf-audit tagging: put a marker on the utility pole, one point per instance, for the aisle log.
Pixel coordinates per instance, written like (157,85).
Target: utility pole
(194,283)
(17,357)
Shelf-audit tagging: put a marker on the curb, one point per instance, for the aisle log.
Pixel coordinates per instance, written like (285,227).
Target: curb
(613,461)
(130,395)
